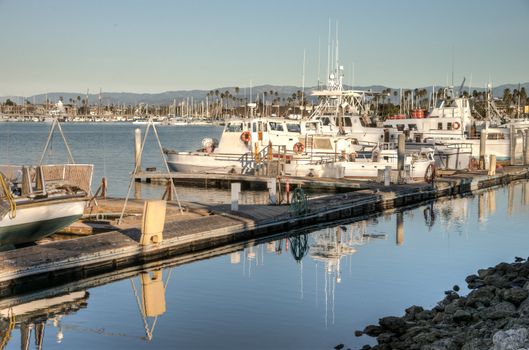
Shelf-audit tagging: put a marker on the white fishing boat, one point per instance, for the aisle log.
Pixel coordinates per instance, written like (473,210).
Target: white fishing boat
(450,128)
(347,113)
(37,201)
(243,140)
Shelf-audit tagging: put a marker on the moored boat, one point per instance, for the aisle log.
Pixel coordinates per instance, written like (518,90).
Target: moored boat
(36,202)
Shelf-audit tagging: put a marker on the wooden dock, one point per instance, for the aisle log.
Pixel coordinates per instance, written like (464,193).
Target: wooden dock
(249,181)
(204,227)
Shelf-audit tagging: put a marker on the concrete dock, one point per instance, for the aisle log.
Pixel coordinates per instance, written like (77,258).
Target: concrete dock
(205,227)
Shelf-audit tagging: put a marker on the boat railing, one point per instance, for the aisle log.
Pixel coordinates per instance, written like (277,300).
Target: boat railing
(79,175)
(252,162)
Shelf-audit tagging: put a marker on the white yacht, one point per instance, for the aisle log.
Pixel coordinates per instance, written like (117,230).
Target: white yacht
(450,128)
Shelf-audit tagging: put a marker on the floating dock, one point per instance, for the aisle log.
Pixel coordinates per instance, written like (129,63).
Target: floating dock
(206,227)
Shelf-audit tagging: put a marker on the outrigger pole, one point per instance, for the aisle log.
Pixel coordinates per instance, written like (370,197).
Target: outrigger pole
(136,168)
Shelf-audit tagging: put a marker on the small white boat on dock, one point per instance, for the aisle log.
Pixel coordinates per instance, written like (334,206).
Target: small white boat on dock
(37,201)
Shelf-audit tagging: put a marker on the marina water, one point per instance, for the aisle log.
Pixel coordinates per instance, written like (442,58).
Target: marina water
(306,290)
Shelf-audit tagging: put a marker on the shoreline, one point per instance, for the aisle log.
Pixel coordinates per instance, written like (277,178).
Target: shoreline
(494,315)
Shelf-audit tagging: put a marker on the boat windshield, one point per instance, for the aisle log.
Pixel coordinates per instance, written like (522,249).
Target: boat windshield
(294,128)
(234,127)
(275,126)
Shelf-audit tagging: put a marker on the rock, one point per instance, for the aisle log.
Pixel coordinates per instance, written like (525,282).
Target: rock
(515,295)
(373,331)
(461,316)
(482,273)
(497,281)
(512,339)
(385,338)
(455,288)
(393,324)
(451,308)
(524,308)
(483,295)
(472,278)
(358,333)
(339,346)
(424,315)
(500,310)
(424,338)
(518,259)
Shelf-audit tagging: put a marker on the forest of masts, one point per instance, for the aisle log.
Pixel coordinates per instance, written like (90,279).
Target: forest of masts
(220,104)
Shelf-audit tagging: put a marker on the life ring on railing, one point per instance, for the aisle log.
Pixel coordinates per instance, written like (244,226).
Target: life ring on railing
(298,148)
(429,174)
(457,125)
(246,136)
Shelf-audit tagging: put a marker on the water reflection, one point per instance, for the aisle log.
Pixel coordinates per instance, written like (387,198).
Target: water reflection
(151,302)
(331,279)
(32,317)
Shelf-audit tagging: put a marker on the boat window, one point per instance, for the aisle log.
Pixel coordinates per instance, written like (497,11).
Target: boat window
(348,122)
(294,128)
(400,127)
(495,136)
(412,127)
(322,143)
(254,127)
(275,126)
(326,121)
(439,126)
(311,127)
(448,126)
(234,127)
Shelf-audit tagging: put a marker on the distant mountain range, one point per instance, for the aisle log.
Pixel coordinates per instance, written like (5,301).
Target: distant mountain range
(165,98)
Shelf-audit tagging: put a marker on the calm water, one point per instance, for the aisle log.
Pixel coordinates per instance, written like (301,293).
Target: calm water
(110,147)
(309,291)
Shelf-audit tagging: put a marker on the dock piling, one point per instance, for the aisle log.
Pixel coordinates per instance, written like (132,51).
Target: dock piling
(401,153)
(492,165)
(235,191)
(137,149)
(272,187)
(153,222)
(482,149)
(526,148)
(512,145)
(387,175)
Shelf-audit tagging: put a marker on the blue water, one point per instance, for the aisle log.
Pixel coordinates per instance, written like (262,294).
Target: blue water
(110,147)
(262,297)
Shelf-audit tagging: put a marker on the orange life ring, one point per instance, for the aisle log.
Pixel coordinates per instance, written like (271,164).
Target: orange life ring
(456,125)
(246,136)
(298,148)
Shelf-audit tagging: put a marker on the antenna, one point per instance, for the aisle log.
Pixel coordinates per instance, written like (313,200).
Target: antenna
(319,63)
(303,82)
(452,65)
(329,50)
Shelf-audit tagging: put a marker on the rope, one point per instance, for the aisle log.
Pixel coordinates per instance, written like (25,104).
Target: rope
(7,334)
(9,196)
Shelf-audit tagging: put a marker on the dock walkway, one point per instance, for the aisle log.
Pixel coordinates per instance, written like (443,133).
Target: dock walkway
(204,227)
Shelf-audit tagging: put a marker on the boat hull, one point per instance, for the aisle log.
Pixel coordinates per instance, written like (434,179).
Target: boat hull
(204,163)
(35,221)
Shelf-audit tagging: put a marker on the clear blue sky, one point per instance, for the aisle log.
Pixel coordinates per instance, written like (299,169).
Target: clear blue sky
(155,46)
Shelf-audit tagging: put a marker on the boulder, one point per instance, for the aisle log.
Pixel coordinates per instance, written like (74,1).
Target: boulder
(512,339)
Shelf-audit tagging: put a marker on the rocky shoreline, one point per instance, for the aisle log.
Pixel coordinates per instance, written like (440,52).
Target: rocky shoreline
(494,315)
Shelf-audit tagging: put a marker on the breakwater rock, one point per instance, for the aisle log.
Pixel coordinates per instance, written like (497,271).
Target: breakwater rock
(494,315)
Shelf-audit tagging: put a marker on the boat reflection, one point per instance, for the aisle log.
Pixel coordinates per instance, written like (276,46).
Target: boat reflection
(33,316)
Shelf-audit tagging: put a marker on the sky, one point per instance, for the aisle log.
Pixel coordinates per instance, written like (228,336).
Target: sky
(162,45)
